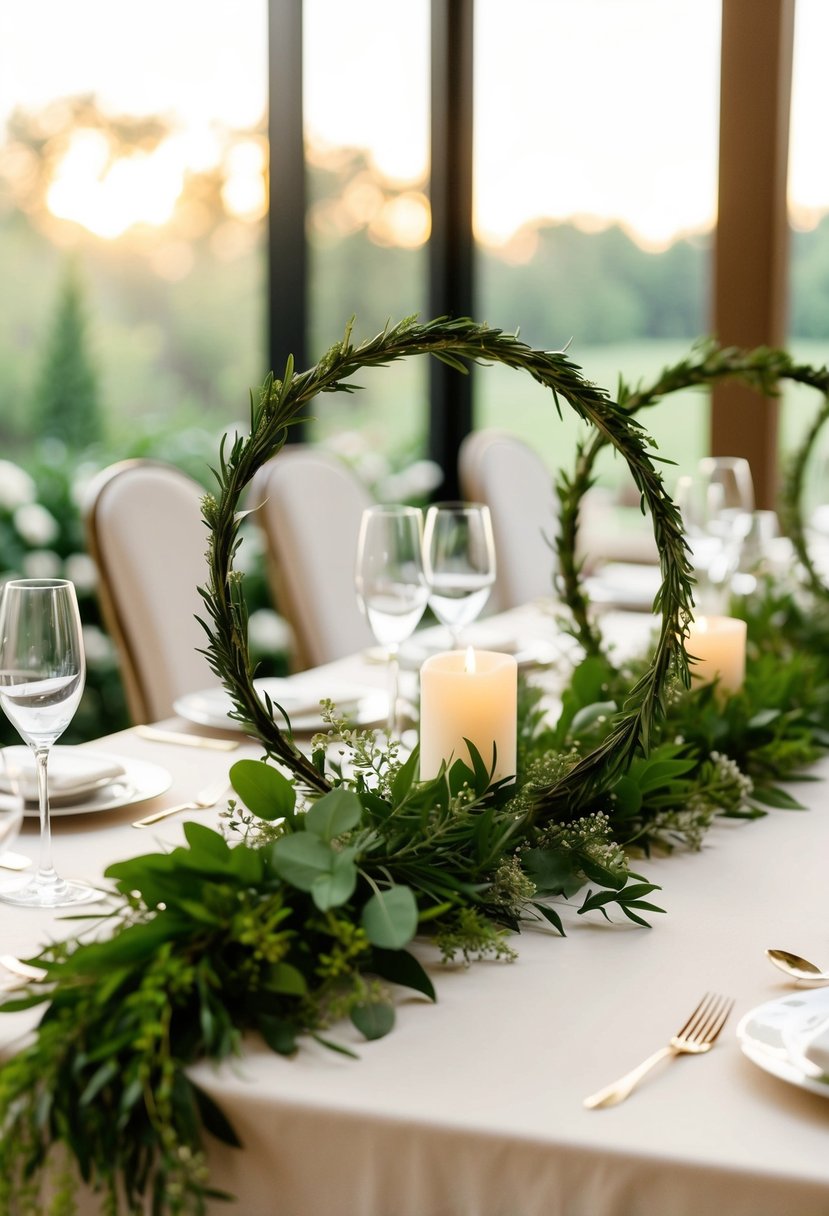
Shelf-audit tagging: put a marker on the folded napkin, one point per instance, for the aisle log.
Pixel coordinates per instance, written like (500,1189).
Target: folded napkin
(72,772)
(814,1046)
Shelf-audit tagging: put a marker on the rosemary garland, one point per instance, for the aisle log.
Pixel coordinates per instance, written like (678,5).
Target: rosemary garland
(458,343)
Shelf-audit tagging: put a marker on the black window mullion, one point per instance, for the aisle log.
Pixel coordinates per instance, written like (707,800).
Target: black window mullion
(287,247)
(451,249)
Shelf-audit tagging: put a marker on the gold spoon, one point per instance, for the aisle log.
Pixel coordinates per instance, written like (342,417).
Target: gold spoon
(798,968)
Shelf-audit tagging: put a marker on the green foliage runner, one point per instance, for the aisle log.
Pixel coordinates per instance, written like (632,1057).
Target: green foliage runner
(302,910)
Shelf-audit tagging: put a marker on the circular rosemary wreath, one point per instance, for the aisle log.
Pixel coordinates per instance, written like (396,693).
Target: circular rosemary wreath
(458,343)
(761,369)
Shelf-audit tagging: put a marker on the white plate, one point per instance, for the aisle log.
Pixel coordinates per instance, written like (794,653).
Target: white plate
(140,782)
(624,585)
(768,1034)
(74,773)
(361,704)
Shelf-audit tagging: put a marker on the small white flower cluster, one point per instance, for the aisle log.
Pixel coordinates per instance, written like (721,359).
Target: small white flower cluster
(17,489)
(592,837)
(511,887)
(35,525)
(690,824)
(729,773)
(724,789)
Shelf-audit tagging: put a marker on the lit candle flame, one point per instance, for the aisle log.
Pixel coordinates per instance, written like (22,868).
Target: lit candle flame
(469,661)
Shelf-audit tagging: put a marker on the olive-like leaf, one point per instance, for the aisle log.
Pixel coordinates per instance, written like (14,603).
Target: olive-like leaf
(401,967)
(214,1118)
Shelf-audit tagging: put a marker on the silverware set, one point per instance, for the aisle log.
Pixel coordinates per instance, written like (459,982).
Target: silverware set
(702,1029)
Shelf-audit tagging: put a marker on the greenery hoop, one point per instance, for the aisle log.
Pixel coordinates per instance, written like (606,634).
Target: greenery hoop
(458,343)
(761,369)
(791,497)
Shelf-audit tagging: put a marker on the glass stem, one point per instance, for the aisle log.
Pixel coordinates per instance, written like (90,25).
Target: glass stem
(46,871)
(394,682)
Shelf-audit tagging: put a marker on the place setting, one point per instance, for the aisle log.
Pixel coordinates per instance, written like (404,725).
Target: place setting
(42,673)
(788,1036)
(299,696)
(82,781)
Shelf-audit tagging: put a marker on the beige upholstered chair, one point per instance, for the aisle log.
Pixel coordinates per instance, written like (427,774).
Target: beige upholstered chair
(502,471)
(148,541)
(309,504)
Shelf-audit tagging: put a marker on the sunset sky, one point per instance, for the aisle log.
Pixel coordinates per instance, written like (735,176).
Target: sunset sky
(601,109)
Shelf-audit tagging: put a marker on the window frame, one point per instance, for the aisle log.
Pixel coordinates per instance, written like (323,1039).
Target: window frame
(751,269)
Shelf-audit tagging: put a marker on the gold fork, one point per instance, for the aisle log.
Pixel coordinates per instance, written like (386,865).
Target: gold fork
(695,1037)
(208,797)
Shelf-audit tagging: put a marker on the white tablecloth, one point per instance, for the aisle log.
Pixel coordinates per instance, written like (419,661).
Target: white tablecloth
(473,1106)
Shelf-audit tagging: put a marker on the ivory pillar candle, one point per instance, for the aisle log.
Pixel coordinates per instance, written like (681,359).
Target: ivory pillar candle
(718,643)
(468,695)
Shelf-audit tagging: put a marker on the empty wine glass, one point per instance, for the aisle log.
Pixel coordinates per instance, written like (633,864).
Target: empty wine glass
(459,559)
(391,584)
(716,506)
(42,672)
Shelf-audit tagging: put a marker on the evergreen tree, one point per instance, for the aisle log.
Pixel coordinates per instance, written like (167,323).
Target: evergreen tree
(66,403)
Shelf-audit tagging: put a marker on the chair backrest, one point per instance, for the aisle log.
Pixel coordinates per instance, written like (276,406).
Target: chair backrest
(309,505)
(502,471)
(145,533)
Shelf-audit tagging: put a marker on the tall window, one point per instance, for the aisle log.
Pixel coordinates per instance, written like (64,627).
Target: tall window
(808,196)
(366,106)
(595,193)
(132,148)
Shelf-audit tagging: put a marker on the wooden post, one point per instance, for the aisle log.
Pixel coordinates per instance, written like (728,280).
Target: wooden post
(751,248)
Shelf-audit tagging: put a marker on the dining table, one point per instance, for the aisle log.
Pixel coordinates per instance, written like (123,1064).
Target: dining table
(474,1104)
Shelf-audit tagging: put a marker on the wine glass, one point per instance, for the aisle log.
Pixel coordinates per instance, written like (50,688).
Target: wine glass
(391,584)
(459,559)
(42,671)
(716,506)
